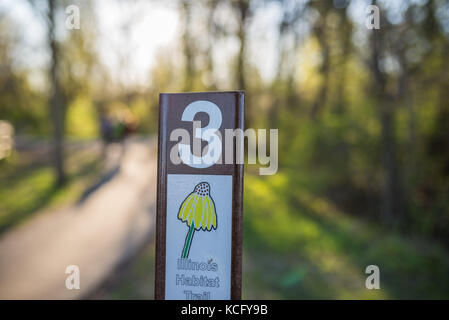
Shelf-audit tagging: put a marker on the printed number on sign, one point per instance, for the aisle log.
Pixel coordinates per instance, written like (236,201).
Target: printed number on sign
(208,134)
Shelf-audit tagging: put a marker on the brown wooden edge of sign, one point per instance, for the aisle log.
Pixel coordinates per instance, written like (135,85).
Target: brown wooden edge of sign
(161,205)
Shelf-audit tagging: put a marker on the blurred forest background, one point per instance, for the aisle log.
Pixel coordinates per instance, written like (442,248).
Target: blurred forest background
(363,119)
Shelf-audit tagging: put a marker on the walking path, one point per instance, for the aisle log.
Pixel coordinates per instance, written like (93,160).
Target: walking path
(96,234)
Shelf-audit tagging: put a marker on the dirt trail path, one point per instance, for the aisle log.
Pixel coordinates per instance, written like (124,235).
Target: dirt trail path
(96,234)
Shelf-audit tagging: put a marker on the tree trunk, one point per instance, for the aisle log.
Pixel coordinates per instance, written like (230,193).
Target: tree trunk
(57,112)
(211,35)
(391,207)
(243,7)
(390,195)
(321,97)
(187,43)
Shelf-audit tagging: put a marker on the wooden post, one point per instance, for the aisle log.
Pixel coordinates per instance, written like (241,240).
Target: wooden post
(199,197)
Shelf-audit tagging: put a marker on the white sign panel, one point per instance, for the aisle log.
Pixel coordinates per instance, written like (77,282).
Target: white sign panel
(198,253)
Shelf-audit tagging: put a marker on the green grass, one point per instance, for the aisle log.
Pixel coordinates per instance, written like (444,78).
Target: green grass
(29,186)
(299,246)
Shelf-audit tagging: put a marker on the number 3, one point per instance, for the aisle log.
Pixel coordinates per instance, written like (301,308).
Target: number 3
(207,134)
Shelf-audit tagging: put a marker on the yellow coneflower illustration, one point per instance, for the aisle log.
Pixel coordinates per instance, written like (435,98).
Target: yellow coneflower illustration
(198,212)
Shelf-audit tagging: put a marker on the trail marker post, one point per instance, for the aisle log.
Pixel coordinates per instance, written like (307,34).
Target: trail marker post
(199,197)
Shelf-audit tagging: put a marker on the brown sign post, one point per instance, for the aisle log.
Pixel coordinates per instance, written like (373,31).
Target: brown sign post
(199,197)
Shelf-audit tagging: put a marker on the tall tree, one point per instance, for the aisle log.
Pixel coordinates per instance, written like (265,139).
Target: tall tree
(57,106)
(187,45)
(320,31)
(344,34)
(65,79)
(288,42)
(57,109)
(391,207)
(212,33)
(242,8)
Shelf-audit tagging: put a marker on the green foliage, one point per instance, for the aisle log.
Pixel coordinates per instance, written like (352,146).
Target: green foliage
(299,245)
(82,119)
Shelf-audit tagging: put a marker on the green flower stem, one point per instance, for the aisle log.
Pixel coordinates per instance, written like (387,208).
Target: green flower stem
(188,242)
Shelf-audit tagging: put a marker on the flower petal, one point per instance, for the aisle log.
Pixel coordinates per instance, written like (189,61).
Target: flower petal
(199,209)
(191,213)
(212,213)
(185,207)
(206,213)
